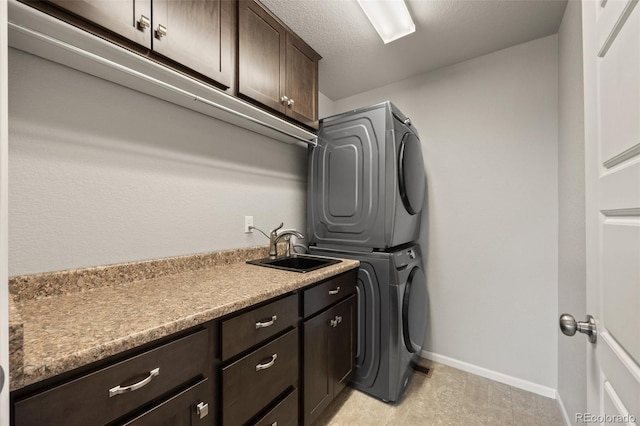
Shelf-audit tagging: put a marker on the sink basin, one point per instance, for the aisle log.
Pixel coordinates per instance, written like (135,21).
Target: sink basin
(295,263)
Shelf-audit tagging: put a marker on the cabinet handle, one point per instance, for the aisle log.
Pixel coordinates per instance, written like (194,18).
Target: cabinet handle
(266,323)
(161,31)
(124,389)
(284,99)
(333,322)
(334,291)
(268,364)
(290,102)
(339,319)
(143,23)
(202,409)
(274,423)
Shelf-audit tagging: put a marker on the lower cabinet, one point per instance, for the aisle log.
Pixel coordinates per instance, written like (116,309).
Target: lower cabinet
(172,379)
(242,369)
(329,356)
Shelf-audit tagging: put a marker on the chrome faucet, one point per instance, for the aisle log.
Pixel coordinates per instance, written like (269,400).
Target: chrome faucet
(275,237)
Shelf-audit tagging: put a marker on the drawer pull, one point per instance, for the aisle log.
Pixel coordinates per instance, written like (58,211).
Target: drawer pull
(268,364)
(202,410)
(266,323)
(124,389)
(335,291)
(274,424)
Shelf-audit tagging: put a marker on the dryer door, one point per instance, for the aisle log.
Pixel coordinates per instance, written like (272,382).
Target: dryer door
(414,310)
(411,173)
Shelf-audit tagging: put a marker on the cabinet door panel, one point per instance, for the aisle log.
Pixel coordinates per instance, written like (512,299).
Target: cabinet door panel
(342,344)
(119,16)
(302,82)
(199,35)
(261,55)
(318,382)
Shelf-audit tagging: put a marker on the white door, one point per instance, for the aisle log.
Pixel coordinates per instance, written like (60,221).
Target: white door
(4,307)
(611,37)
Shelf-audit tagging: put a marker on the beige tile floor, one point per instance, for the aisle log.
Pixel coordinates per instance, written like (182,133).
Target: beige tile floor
(447,397)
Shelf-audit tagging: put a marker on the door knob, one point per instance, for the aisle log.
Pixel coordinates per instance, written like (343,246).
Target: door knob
(569,326)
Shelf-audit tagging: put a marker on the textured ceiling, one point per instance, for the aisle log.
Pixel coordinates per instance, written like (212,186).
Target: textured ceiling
(355,60)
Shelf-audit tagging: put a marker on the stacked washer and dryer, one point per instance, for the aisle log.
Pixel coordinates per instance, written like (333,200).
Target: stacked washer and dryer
(366,191)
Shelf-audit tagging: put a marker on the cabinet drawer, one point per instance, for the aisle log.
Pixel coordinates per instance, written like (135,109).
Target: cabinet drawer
(324,294)
(246,330)
(191,407)
(86,401)
(252,382)
(283,414)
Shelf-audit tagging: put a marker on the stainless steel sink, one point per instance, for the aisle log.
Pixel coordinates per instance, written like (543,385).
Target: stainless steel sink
(296,263)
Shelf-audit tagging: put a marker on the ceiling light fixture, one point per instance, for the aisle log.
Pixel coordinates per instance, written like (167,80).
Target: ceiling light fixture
(390,18)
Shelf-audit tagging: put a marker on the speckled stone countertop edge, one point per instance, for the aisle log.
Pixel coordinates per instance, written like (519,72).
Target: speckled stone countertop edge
(25,369)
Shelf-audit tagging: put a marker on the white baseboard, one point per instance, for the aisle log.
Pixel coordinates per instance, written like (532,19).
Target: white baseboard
(493,375)
(563,410)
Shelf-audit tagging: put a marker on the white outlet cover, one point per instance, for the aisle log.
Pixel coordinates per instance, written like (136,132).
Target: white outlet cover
(248,221)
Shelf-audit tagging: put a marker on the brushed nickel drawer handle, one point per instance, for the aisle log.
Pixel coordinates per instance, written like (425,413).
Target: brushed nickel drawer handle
(124,389)
(274,424)
(266,323)
(202,410)
(336,291)
(268,364)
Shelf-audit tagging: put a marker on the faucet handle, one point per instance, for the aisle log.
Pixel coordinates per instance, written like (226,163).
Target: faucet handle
(274,231)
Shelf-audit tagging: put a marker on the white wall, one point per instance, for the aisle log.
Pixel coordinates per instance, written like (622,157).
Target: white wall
(572,361)
(489,132)
(102,174)
(325,106)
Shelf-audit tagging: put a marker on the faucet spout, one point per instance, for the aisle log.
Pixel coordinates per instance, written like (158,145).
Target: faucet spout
(275,238)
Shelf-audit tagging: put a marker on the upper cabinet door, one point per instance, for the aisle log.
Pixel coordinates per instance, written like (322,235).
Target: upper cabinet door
(129,18)
(302,82)
(261,56)
(198,34)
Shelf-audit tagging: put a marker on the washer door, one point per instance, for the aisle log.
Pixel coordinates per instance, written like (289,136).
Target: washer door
(411,173)
(414,310)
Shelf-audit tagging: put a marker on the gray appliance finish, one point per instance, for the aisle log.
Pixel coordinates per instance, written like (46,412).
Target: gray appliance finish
(366,180)
(392,318)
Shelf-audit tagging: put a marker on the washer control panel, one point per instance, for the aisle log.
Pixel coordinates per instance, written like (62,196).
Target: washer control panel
(403,258)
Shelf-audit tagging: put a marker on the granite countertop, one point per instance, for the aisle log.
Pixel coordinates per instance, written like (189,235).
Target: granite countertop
(56,327)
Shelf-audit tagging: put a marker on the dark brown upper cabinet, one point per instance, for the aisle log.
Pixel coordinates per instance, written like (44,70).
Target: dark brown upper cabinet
(196,34)
(128,18)
(275,67)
